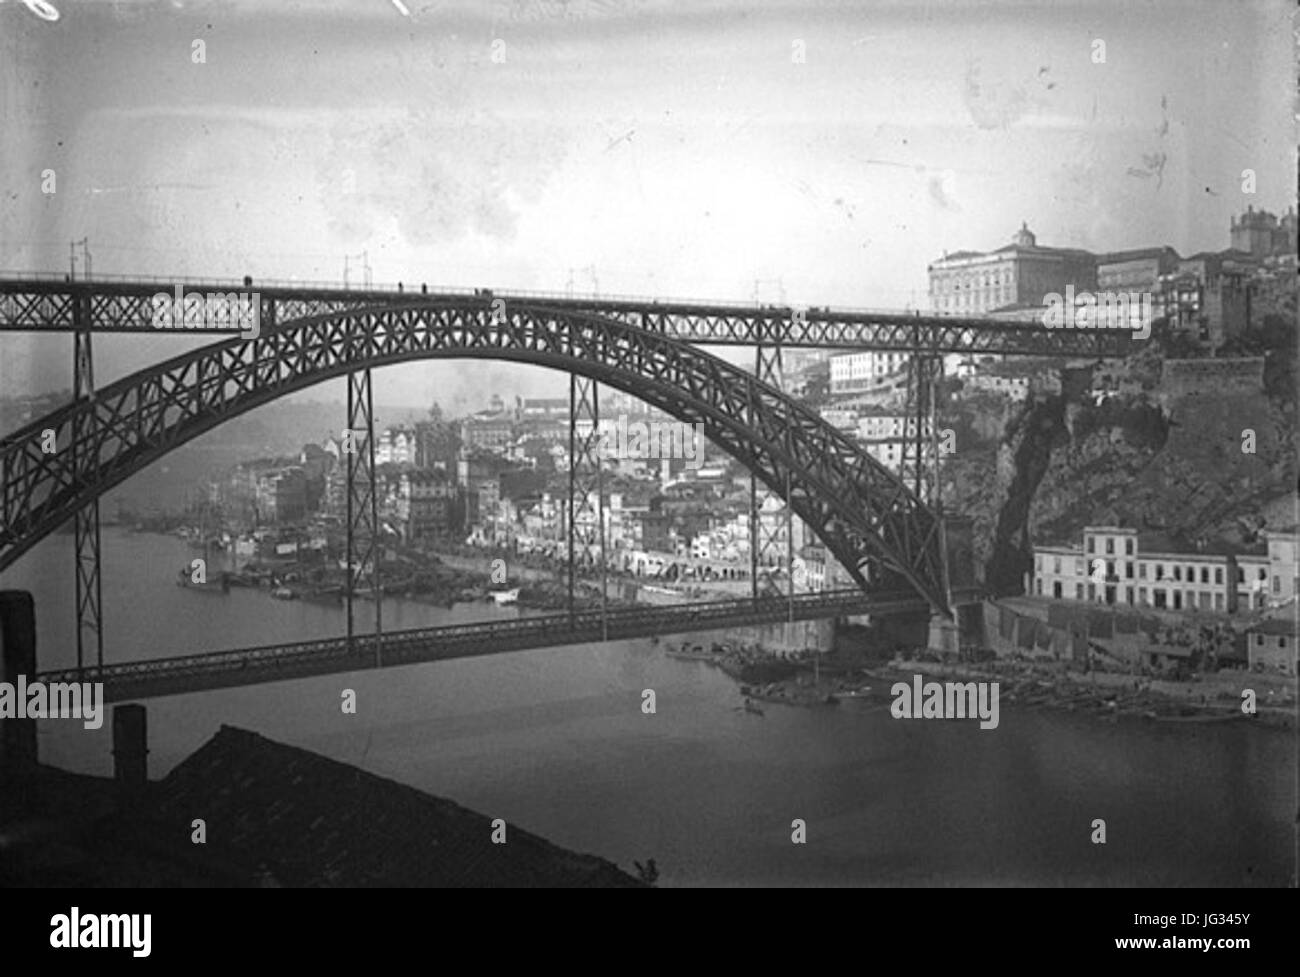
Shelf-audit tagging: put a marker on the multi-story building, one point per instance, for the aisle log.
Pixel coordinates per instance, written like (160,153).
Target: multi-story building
(844,418)
(1261,234)
(554,430)
(1015,379)
(1138,270)
(1020,273)
(395,446)
(820,570)
(857,372)
(1117,565)
(1271,646)
(1284,582)
(1207,297)
(425,501)
(487,430)
(545,407)
(889,435)
(281,495)
(479,476)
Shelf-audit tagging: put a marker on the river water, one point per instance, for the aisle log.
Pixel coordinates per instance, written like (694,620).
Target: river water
(555,741)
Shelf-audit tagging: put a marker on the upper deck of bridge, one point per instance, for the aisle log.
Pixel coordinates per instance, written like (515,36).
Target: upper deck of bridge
(48,302)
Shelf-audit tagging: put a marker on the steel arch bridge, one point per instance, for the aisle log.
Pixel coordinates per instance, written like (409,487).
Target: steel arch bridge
(864,513)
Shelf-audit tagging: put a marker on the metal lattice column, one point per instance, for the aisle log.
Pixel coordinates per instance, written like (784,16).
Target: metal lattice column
(89,594)
(363,543)
(586,508)
(920,447)
(766,545)
(921,457)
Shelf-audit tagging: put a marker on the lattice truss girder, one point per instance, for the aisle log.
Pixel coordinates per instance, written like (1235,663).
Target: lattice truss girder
(861,511)
(128,306)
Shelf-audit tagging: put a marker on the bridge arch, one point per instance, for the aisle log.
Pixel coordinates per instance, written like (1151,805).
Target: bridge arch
(863,512)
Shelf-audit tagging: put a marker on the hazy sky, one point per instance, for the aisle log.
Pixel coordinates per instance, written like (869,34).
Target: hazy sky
(658,148)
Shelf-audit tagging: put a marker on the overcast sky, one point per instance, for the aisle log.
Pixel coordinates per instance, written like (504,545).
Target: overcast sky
(671,149)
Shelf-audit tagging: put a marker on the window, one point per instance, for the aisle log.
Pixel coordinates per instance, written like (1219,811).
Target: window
(1218,602)
(1160,571)
(1092,544)
(1092,591)
(1110,546)
(1039,584)
(1241,575)
(1038,564)
(1110,569)
(1277,585)
(1056,565)
(1178,573)
(1259,640)
(1128,546)
(1205,574)
(1142,571)
(1078,591)
(1218,575)
(1128,571)
(1128,595)
(1281,642)
(1078,565)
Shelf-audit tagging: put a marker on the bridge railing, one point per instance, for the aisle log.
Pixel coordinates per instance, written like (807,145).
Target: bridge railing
(410,291)
(563,627)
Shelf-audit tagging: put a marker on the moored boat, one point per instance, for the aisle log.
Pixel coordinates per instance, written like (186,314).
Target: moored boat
(689,653)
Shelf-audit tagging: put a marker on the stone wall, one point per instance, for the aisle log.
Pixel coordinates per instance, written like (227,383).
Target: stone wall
(1212,377)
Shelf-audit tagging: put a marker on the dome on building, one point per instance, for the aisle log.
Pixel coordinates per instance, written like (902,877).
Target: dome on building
(1025,237)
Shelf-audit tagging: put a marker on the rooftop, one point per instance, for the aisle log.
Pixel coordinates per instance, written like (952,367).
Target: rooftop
(1276,625)
(1135,254)
(317,822)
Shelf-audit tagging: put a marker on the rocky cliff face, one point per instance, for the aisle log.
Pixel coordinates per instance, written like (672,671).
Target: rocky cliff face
(996,488)
(1209,466)
(1203,467)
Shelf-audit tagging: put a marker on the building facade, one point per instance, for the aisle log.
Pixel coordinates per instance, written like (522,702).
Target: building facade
(972,283)
(857,372)
(1261,234)
(1271,646)
(1117,565)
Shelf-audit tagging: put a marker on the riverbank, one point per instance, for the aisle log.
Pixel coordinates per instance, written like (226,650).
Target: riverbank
(796,680)
(421,576)
(1111,695)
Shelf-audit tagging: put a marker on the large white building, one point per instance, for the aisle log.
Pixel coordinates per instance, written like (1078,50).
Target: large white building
(856,372)
(886,435)
(395,446)
(1116,565)
(972,283)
